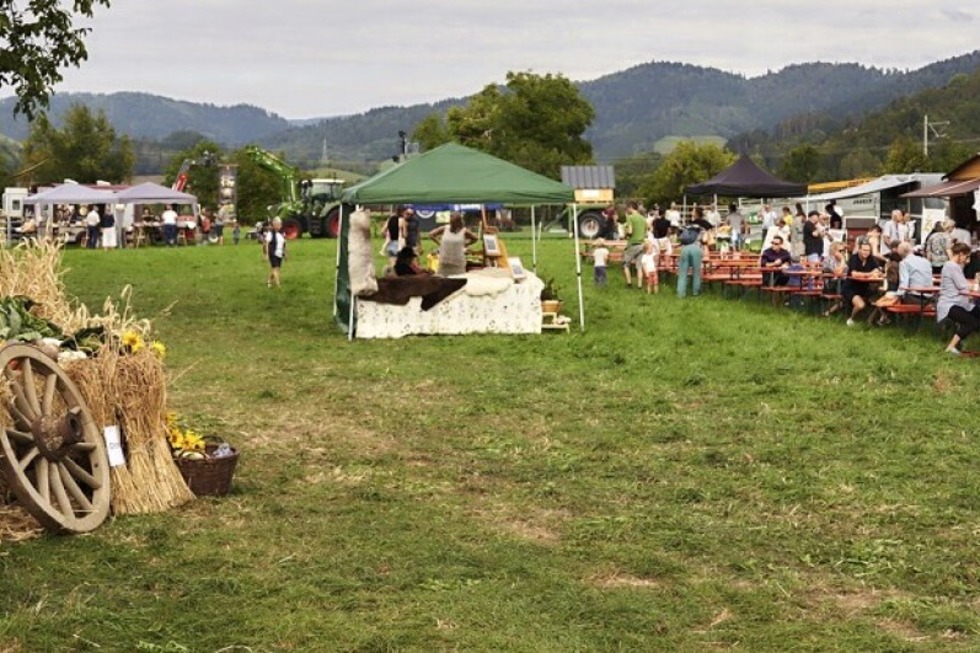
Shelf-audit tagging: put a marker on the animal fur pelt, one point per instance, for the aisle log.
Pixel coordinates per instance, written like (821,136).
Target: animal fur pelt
(360,255)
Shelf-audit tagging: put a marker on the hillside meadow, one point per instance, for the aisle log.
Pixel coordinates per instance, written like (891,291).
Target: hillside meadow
(705,474)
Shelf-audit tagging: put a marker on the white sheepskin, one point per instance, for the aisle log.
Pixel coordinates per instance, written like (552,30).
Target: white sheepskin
(360,255)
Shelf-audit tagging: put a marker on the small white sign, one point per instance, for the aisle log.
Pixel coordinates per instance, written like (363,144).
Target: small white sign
(113,445)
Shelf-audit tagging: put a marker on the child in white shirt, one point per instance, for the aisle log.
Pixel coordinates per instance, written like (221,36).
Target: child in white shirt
(600,255)
(648,263)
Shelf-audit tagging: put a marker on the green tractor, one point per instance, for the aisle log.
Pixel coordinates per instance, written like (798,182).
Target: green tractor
(310,206)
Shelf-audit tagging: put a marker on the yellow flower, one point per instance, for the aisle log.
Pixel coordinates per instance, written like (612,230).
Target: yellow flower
(132,341)
(159,349)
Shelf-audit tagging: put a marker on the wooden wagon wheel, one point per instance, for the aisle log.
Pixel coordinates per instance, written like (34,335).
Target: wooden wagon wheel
(53,457)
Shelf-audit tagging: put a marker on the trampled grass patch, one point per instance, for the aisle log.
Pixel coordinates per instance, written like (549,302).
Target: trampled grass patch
(685,475)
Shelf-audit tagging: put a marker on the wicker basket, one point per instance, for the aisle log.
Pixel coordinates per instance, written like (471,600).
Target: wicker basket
(210,476)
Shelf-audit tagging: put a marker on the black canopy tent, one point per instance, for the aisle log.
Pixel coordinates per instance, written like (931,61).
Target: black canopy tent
(745,179)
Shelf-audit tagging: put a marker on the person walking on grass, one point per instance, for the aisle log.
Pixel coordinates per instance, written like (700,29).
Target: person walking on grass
(690,259)
(648,262)
(600,255)
(636,232)
(274,249)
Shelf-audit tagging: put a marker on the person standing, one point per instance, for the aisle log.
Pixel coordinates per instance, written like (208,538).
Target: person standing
(636,230)
(813,238)
(690,259)
(409,229)
(169,220)
(769,218)
(648,263)
(107,225)
(836,219)
(737,223)
(600,256)
(953,303)
(894,231)
(673,216)
(274,248)
(93,224)
(936,247)
(452,239)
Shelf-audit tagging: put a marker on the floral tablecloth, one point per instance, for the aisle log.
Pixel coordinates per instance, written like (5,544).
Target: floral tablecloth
(484,305)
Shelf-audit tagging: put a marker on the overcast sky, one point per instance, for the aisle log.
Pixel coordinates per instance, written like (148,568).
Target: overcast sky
(313,58)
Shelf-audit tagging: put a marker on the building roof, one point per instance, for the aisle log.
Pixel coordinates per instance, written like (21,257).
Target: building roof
(580,177)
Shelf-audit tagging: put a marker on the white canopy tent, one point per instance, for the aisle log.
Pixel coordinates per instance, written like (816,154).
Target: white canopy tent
(72,194)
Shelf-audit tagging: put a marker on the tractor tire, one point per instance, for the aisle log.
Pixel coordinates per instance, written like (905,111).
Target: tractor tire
(590,225)
(292,228)
(331,223)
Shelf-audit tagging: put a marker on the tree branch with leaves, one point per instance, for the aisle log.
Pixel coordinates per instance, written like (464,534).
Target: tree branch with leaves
(37,39)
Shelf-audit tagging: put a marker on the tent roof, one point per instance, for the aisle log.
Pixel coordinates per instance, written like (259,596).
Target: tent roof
(457,174)
(589,177)
(947,189)
(877,185)
(745,179)
(150,193)
(72,194)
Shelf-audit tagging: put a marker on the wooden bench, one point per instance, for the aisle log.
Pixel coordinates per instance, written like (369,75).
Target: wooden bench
(615,247)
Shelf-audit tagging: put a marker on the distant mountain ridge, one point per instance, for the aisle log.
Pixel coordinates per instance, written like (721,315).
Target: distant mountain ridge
(634,109)
(142,115)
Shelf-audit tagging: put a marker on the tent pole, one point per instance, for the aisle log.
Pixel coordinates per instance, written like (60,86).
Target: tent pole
(684,207)
(578,270)
(336,281)
(350,319)
(534,244)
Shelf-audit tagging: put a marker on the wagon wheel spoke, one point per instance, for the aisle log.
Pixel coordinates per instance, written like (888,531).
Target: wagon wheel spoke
(19,418)
(43,484)
(23,407)
(50,384)
(28,458)
(58,487)
(20,437)
(53,458)
(73,469)
(30,390)
(73,489)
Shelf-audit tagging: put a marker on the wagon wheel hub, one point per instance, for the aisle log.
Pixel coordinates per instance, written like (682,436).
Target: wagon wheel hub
(54,436)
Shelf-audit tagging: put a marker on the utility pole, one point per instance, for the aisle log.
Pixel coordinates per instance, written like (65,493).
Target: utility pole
(931,126)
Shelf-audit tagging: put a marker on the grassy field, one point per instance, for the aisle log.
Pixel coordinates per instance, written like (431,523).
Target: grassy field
(705,474)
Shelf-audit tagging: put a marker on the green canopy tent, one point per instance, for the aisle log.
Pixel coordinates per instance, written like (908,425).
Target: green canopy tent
(450,173)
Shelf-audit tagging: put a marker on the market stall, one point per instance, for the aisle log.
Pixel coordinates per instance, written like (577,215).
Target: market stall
(450,173)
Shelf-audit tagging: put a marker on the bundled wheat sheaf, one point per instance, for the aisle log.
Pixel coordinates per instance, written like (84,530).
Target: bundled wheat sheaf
(120,386)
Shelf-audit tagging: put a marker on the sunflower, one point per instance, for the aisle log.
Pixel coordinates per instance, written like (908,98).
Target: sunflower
(159,349)
(132,341)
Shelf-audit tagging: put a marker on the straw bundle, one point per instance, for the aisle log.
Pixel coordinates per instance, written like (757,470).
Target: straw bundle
(33,269)
(129,389)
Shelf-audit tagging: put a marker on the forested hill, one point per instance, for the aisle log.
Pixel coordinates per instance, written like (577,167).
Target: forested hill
(142,115)
(634,109)
(637,107)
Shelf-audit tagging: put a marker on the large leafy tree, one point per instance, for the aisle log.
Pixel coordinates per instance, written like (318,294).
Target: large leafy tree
(37,39)
(688,163)
(431,132)
(258,188)
(535,121)
(802,163)
(85,149)
(201,160)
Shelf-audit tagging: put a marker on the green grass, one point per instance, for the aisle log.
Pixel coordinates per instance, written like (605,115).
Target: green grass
(684,476)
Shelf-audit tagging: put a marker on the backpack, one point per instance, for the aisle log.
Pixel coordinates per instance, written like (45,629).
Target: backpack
(689,235)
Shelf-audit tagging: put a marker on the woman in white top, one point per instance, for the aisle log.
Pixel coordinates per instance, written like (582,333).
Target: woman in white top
(953,302)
